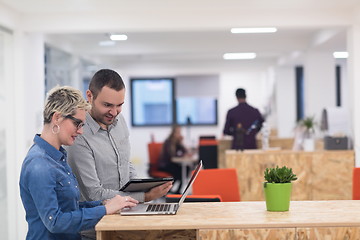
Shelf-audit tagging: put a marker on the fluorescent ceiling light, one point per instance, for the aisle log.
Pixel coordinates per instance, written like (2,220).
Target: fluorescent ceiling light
(254,30)
(234,56)
(341,54)
(118,37)
(107,43)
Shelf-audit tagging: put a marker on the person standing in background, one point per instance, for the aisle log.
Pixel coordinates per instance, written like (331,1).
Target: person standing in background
(243,122)
(49,191)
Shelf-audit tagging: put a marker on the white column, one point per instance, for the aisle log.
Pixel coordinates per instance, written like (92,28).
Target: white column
(7,123)
(285,101)
(25,110)
(319,83)
(354,83)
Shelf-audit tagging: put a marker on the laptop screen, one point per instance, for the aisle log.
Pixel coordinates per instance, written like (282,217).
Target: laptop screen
(193,176)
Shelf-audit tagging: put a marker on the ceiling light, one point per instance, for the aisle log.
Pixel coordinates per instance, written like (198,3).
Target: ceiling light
(118,37)
(341,54)
(254,30)
(107,43)
(234,56)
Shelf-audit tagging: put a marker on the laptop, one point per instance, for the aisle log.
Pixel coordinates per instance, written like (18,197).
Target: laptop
(162,208)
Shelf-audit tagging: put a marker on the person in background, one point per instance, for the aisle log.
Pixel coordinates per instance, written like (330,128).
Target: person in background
(49,190)
(243,122)
(173,147)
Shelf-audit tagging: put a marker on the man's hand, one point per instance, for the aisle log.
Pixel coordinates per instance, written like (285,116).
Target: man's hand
(158,191)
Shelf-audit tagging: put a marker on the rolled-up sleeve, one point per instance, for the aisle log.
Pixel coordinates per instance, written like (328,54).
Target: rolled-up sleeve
(44,190)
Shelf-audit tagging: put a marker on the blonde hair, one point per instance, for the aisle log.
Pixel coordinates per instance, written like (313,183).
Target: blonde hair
(64,100)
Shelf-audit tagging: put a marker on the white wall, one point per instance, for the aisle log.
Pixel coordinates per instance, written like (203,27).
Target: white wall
(319,83)
(354,83)
(285,101)
(254,82)
(6,62)
(8,18)
(25,106)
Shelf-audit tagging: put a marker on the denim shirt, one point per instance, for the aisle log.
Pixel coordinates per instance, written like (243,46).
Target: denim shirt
(50,195)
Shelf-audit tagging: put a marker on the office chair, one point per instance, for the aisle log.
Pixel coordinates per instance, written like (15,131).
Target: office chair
(171,198)
(208,152)
(356,184)
(154,150)
(223,182)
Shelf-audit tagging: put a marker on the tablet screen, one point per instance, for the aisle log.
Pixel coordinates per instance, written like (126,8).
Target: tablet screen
(144,184)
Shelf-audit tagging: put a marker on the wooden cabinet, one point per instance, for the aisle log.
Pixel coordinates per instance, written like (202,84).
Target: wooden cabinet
(322,175)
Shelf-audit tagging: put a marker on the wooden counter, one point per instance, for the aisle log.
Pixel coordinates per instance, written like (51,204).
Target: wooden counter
(240,220)
(322,175)
(274,142)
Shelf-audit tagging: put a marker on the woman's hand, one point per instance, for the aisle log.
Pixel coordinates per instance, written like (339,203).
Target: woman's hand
(118,202)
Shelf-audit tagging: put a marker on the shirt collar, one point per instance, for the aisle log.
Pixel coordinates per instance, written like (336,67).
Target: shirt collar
(242,103)
(94,126)
(49,149)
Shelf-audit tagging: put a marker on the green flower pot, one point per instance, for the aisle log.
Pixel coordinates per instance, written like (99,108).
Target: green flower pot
(277,196)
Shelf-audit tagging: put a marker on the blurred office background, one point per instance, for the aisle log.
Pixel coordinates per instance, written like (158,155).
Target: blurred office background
(294,75)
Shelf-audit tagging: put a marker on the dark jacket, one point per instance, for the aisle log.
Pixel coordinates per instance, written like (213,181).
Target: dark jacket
(251,122)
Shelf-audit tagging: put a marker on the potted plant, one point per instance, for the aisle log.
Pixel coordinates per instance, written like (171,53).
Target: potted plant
(308,125)
(277,188)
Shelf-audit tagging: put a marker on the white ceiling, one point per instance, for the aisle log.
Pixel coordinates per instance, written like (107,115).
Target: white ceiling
(106,6)
(200,45)
(186,43)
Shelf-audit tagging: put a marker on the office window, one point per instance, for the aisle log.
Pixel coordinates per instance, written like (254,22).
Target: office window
(152,101)
(196,111)
(58,68)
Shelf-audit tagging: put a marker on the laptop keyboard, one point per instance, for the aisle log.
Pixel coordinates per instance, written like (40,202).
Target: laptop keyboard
(158,208)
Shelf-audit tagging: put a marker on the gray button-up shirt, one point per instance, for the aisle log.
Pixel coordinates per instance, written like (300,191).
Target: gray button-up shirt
(100,160)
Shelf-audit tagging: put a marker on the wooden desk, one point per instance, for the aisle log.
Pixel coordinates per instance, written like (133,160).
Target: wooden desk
(240,220)
(322,175)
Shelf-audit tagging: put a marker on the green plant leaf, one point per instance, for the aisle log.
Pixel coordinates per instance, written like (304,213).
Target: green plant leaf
(308,122)
(279,175)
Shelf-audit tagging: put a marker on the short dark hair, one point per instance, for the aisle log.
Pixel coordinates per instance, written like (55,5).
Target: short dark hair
(105,77)
(240,93)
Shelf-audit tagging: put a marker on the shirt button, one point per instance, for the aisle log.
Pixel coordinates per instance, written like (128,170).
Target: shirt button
(68,173)
(50,217)
(69,182)
(76,186)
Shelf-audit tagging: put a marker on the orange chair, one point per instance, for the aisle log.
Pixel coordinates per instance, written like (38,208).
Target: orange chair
(222,181)
(170,198)
(154,150)
(356,184)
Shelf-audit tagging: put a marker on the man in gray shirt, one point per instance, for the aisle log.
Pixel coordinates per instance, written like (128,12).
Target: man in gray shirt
(100,156)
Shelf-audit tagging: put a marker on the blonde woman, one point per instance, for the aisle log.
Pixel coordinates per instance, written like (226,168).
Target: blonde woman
(48,188)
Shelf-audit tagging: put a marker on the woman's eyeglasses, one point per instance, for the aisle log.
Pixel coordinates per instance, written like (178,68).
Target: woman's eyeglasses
(77,122)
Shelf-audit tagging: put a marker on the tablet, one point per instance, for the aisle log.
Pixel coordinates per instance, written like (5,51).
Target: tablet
(144,184)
